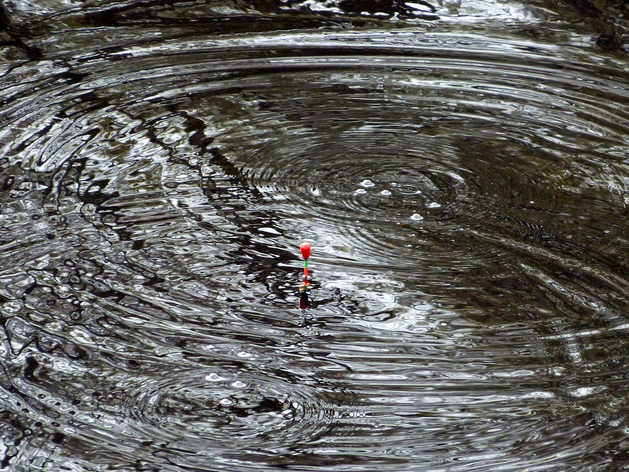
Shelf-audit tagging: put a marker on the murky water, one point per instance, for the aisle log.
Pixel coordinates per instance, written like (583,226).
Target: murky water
(464,187)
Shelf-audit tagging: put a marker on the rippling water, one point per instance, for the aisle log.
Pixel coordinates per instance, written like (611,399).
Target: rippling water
(465,192)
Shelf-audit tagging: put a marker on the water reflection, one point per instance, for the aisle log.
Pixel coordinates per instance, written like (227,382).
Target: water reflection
(466,197)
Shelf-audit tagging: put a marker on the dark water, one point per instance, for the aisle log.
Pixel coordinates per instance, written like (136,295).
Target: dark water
(464,184)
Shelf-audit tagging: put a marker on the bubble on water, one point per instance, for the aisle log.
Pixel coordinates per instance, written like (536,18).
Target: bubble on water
(269,230)
(367,183)
(416,217)
(434,205)
(360,191)
(385,192)
(213,377)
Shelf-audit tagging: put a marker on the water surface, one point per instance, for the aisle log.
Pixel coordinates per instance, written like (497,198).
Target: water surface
(463,183)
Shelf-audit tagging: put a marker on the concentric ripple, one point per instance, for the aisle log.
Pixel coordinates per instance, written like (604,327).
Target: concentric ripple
(465,195)
(225,415)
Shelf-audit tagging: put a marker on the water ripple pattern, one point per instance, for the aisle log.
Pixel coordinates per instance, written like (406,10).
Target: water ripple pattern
(466,199)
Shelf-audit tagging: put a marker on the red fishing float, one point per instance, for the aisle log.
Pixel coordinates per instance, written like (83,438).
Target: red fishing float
(305,250)
(303,290)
